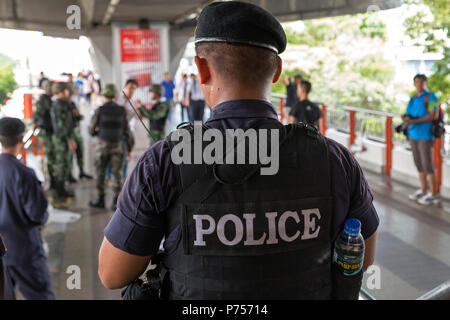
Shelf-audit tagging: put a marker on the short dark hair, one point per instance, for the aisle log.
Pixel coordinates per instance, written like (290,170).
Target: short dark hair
(306,85)
(239,63)
(133,81)
(298,76)
(420,76)
(8,142)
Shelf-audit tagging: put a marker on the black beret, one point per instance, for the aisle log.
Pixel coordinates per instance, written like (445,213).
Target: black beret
(11,127)
(237,22)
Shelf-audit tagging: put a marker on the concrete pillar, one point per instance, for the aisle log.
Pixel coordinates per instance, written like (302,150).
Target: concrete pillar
(101,52)
(179,37)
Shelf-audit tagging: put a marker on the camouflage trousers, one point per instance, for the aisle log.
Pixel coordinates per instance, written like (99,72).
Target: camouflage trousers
(79,151)
(63,159)
(113,153)
(49,152)
(156,136)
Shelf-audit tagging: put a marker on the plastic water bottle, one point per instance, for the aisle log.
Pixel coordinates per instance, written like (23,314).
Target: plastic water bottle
(349,248)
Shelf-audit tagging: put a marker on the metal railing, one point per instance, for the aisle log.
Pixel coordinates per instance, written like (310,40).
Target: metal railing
(370,124)
(441,292)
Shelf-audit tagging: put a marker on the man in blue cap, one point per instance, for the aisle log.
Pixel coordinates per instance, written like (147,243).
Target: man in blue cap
(23,210)
(230,232)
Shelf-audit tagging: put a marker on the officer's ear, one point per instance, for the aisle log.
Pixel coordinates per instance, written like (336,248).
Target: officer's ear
(279,70)
(204,73)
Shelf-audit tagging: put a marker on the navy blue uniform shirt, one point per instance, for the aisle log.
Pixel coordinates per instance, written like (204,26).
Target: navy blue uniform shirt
(137,226)
(23,208)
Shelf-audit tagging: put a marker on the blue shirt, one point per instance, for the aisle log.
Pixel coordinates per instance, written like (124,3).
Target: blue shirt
(417,109)
(168,89)
(23,208)
(137,226)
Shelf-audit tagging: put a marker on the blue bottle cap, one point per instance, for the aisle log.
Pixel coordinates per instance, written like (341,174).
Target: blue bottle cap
(352,227)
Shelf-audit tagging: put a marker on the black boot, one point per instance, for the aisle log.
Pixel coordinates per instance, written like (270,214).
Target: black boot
(61,190)
(114,204)
(85,176)
(69,192)
(72,179)
(99,203)
(52,183)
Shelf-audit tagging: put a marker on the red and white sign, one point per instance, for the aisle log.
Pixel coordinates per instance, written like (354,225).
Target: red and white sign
(141,59)
(140,45)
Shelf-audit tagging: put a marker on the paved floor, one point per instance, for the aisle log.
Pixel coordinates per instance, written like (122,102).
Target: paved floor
(413,252)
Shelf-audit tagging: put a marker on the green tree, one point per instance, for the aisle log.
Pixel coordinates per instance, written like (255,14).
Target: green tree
(428,33)
(342,77)
(7,81)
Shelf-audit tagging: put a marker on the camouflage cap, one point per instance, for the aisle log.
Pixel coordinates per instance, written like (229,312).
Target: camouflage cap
(58,87)
(46,86)
(69,86)
(156,88)
(109,91)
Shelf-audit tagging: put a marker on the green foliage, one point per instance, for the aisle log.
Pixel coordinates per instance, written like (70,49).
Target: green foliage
(7,81)
(316,34)
(371,27)
(345,78)
(6,60)
(425,32)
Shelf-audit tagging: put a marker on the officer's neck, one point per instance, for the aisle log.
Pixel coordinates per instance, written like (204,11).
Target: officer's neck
(221,94)
(13,151)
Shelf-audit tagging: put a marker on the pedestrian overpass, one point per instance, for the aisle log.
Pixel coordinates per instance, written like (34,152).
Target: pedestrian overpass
(413,252)
(101,20)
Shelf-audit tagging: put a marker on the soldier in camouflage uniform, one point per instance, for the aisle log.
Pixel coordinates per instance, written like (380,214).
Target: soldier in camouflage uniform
(63,139)
(77,117)
(157,114)
(110,124)
(42,120)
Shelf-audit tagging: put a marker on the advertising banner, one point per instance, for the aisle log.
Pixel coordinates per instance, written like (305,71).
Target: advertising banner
(141,59)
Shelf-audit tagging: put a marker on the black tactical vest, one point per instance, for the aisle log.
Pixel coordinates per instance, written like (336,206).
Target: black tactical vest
(243,235)
(112,119)
(158,124)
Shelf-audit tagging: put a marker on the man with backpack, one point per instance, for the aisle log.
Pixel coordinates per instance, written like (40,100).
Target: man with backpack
(43,121)
(422,119)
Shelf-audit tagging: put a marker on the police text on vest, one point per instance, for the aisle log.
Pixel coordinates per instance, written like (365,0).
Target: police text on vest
(244,228)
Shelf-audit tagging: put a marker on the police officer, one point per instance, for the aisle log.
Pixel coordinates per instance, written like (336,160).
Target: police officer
(110,124)
(42,120)
(157,114)
(231,233)
(23,210)
(63,139)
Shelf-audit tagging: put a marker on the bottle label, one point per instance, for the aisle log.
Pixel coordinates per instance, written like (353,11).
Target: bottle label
(348,268)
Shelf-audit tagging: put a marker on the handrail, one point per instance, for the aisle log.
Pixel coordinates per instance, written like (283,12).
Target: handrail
(365,295)
(346,107)
(441,292)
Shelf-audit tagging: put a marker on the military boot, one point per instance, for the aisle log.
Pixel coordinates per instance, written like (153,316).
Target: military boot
(114,204)
(72,179)
(52,183)
(99,203)
(61,190)
(69,192)
(84,175)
